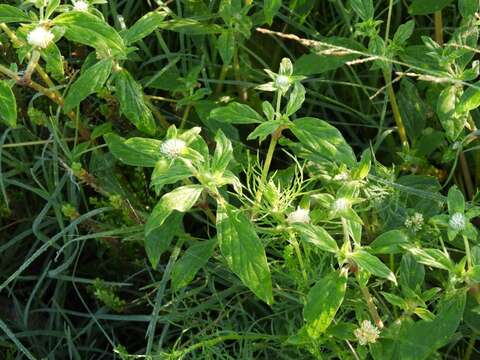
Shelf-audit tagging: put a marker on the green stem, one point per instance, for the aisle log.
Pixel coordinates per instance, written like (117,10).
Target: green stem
(296,246)
(271,149)
(396,110)
(389,20)
(467,252)
(471,346)
(372,309)
(438,27)
(32,64)
(186,113)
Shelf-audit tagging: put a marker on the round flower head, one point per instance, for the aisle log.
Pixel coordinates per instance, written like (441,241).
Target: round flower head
(414,222)
(366,333)
(172,148)
(341,204)
(40,37)
(457,221)
(299,216)
(282,81)
(80,5)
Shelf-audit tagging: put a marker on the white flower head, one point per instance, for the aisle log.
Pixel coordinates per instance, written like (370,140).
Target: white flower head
(80,5)
(299,216)
(414,222)
(173,148)
(366,333)
(457,221)
(40,37)
(341,205)
(282,81)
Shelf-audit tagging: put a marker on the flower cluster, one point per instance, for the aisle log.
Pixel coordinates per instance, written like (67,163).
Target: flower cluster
(80,5)
(40,37)
(367,333)
(299,216)
(173,148)
(414,222)
(457,221)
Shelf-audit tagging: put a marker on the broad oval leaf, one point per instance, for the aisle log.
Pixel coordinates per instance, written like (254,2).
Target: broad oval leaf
(323,301)
(8,105)
(223,153)
(390,242)
(317,236)
(88,83)
(243,251)
(11,14)
(132,103)
(470,99)
(134,151)
(236,113)
(158,240)
(297,97)
(323,140)
(373,265)
(424,7)
(191,262)
(88,29)
(181,199)
(143,27)
(455,200)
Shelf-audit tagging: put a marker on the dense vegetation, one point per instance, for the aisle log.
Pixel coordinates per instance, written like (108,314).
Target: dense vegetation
(239,179)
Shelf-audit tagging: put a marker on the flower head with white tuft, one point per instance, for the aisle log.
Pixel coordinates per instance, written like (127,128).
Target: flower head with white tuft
(414,222)
(299,216)
(80,5)
(40,37)
(341,205)
(367,333)
(173,148)
(458,221)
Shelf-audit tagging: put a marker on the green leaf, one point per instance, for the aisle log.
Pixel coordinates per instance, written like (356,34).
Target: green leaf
(11,14)
(54,60)
(317,236)
(8,105)
(323,301)
(132,104)
(468,7)
(181,199)
(191,262)
(319,63)
(226,46)
(88,29)
(432,257)
(236,113)
(134,151)
(470,99)
(419,340)
(190,27)
(404,32)
(270,9)
(323,140)
(243,251)
(168,172)
(143,27)
(89,82)
(363,8)
(456,201)
(452,121)
(474,273)
(390,242)
(373,265)
(158,241)
(424,7)
(51,7)
(297,97)
(264,130)
(412,273)
(223,153)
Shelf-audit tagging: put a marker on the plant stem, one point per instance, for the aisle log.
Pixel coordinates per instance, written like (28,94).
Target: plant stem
(296,246)
(471,345)
(438,27)
(467,252)
(395,109)
(467,178)
(236,68)
(271,149)
(186,113)
(372,309)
